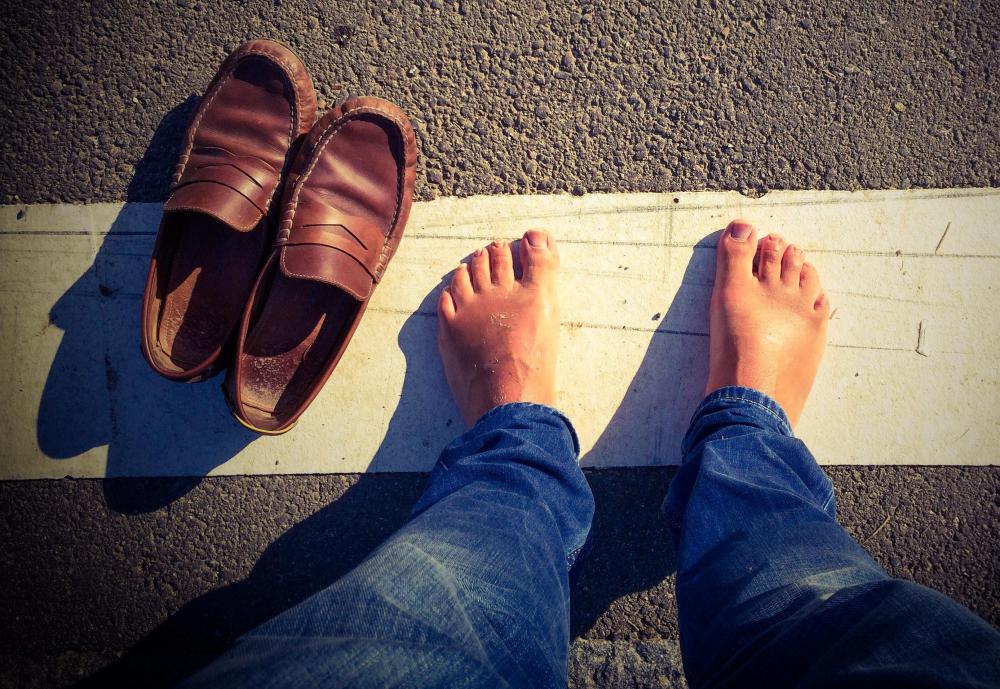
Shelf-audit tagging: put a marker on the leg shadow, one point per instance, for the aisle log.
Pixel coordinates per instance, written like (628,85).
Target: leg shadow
(425,419)
(99,389)
(631,552)
(632,547)
(653,416)
(307,558)
(319,550)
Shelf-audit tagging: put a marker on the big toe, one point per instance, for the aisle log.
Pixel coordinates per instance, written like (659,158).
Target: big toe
(734,256)
(539,257)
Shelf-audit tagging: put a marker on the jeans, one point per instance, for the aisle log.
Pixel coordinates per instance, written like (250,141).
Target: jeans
(474,590)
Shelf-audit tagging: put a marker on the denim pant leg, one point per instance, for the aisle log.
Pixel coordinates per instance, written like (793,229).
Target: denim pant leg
(472,592)
(771,591)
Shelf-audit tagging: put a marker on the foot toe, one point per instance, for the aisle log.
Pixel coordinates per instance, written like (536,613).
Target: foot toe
(734,256)
(809,280)
(479,270)
(446,305)
(769,253)
(791,265)
(461,285)
(822,306)
(539,257)
(501,264)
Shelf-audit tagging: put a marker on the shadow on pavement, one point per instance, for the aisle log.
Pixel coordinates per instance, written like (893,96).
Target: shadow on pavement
(305,559)
(654,414)
(154,170)
(315,552)
(632,549)
(99,389)
(425,419)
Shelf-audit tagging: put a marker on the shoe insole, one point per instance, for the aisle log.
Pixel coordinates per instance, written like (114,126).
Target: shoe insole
(210,274)
(298,331)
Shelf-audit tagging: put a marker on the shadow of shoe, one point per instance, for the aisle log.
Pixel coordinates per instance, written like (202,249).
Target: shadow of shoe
(632,547)
(100,391)
(155,169)
(318,550)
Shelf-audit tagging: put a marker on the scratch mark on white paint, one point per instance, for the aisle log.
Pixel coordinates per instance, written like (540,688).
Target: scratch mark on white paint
(945,234)
(921,337)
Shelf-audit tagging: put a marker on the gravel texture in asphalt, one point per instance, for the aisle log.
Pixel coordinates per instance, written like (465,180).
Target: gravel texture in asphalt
(515,97)
(90,571)
(529,96)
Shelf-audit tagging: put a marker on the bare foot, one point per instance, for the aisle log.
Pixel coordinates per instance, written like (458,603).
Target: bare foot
(498,336)
(768,318)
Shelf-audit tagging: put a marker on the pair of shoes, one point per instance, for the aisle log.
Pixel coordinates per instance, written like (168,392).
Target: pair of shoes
(224,289)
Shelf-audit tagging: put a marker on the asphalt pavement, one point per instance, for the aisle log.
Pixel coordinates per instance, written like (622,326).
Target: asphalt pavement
(143,580)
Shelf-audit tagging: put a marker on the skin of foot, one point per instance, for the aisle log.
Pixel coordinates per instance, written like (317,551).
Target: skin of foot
(498,334)
(768,318)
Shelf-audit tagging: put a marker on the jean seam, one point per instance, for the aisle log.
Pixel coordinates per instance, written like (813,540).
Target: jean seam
(531,405)
(572,555)
(534,406)
(784,424)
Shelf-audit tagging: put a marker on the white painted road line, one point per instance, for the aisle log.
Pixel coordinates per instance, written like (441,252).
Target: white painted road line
(912,375)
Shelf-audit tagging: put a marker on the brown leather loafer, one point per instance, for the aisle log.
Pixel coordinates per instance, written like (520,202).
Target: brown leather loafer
(345,204)
(214,234)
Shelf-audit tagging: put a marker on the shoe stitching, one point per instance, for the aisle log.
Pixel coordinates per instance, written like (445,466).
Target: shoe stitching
(202,109)
(287,71)
(297,71)
(324,138)
(290,73)
(290,69)
(292,125)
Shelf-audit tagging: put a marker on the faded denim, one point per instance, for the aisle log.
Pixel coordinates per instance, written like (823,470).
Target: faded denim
(772,592)
(474,590)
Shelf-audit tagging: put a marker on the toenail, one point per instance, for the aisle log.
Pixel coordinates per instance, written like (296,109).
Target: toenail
(535,239)
(739,231)
(478,252)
